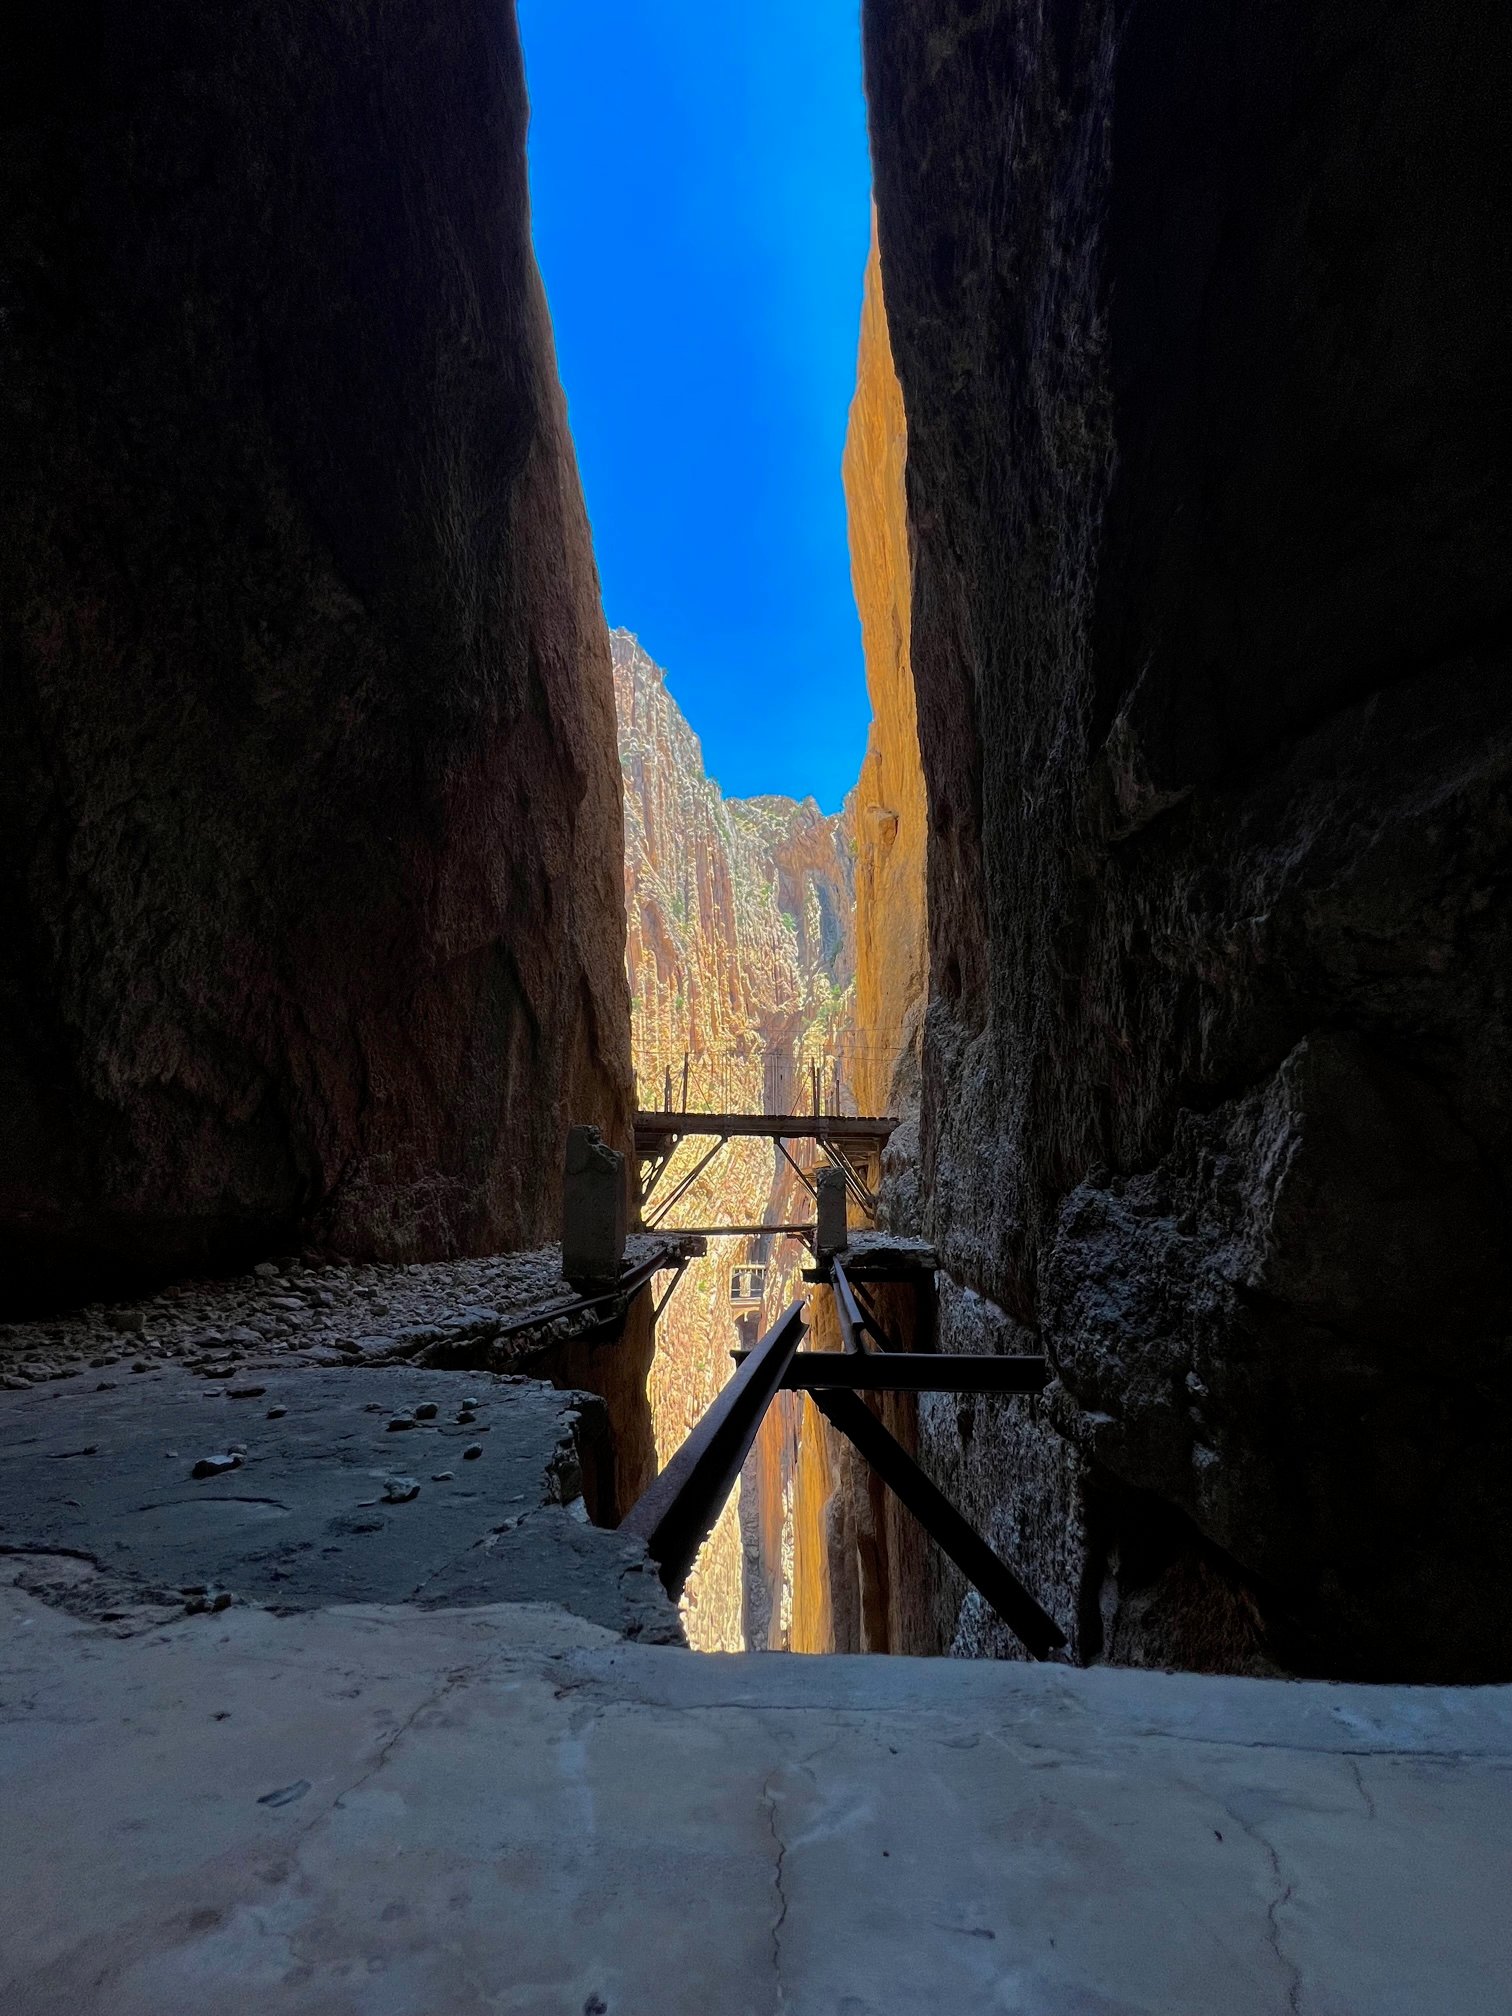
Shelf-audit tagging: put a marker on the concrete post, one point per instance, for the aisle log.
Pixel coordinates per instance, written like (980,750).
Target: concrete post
(833,1233)
(594,1212)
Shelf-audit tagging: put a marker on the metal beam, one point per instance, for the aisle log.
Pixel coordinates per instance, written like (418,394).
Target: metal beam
(676,1512)
(732,1231)
(653,1168)
(681,1188)
(652,1127)
(802,1174)
(668,1292)
(853,1179)
(911,1372)
(983,1568)
(861,1309)
(847,1312)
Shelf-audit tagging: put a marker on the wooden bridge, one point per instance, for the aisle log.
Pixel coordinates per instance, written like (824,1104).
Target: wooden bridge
(853,1144)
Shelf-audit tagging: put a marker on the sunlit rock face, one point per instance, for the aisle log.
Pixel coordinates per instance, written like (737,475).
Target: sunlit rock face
(1199,318)
(741,958)
(889,803)
(310,846)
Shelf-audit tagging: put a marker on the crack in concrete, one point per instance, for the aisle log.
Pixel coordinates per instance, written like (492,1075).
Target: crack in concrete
(1282,1897)
(778,1870)
(1361,1787)
(457,1677)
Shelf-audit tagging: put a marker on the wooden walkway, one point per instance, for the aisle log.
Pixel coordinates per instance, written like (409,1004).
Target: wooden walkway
(656,1131)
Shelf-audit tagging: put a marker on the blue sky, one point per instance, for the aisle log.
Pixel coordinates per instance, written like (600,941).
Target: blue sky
(701,190)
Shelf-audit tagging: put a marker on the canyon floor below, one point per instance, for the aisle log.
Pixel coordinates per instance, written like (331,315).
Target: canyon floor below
(315,1805)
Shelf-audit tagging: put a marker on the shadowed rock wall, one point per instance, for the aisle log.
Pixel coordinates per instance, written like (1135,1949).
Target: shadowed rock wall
(1200,316)
(310,889)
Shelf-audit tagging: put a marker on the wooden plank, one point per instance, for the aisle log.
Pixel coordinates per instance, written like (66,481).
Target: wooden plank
(911,1372)
(983,1568)
(676,1512)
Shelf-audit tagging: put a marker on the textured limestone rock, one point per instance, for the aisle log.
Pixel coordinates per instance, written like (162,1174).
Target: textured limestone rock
(888,808)
(1199,317)
(309,817)
(740,955)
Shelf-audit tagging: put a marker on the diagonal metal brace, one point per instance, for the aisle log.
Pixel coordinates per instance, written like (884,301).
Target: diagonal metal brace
(669,1291)
(980,1564)
(681,1189)
(802,1174)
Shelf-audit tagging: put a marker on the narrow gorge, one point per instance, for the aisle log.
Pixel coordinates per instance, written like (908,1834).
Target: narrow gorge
(741,961)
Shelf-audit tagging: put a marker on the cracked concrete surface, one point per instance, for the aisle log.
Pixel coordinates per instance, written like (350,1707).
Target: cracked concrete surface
(505,1808)
(302,1521)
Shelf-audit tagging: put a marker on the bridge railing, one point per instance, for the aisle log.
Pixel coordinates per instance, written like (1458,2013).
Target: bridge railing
(827,1073)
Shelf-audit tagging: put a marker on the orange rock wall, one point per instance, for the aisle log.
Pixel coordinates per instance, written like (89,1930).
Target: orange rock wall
(740,946)
(889,808)
(858,1570)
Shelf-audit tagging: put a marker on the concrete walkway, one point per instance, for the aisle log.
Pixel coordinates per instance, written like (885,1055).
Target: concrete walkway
(506,1809)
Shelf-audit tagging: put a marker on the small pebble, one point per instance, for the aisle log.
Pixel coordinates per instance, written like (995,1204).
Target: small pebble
(265,1271)
(426,1411)
(470,1400)
(276,1413)
(401,1421)
(466,1418)
(442,1476)
(399,1490)
(247,1392)
(472,1451)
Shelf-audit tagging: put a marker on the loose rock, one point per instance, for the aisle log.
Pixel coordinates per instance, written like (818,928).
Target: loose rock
(216,1466)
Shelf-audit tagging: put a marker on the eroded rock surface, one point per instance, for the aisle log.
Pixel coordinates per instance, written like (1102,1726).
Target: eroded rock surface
(888,808)
(1199,322)
(310,882)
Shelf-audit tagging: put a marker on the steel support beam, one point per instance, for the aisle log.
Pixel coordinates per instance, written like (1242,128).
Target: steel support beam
(853,1179)
(685,1184)
(802,1174)
(847,1310)
(983,1568)
(869,1318)
(676,1512)
(911,1372)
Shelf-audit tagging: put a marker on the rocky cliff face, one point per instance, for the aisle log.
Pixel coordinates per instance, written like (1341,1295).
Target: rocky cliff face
(309,823)
(1199,317)
(741,956)
(889,805)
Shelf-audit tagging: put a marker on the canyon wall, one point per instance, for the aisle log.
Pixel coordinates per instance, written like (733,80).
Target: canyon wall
(1199,316)
(741,956)
(309,820)
(889,811)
